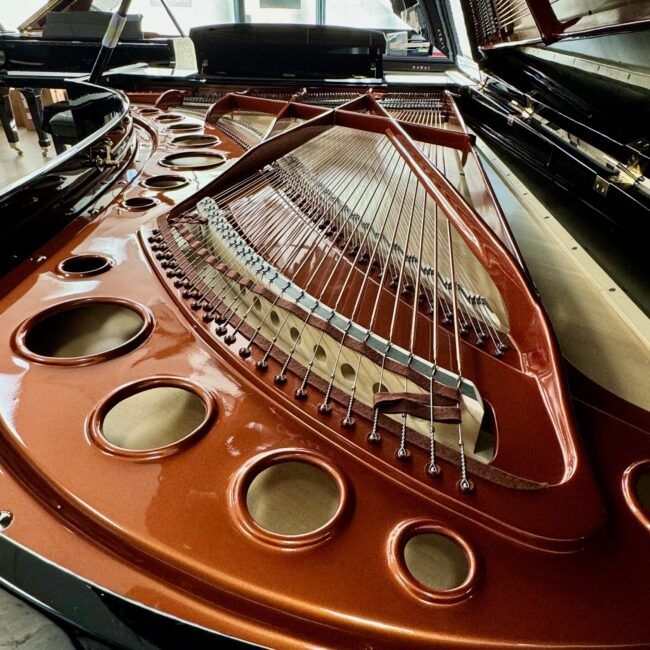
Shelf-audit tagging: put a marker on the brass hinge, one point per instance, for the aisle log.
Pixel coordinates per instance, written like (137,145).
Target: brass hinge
(102,156)
(601,186)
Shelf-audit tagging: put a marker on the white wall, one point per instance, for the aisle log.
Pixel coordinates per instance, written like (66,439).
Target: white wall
(14,12)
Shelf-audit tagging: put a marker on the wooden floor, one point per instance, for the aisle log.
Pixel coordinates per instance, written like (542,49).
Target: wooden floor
(12,166)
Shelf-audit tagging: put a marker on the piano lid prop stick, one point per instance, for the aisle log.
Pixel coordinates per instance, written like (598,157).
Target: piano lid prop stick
(110,40)
(173,18)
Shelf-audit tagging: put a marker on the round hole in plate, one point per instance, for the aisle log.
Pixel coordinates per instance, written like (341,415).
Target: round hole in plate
(379,388)
(148,111)
(82,331)
(257,304)
(165,182)
(275,318)
(196,140)
(169,117)
(642,490)
(139,203)
(184,126)
(81,266)
(436,561)
(348,371)
(432,562)
(153,418)
(636,490)
(294,333)
(292,498)
(193,160)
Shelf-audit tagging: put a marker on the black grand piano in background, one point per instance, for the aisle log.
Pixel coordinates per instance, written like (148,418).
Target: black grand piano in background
(55,45)
(69,43)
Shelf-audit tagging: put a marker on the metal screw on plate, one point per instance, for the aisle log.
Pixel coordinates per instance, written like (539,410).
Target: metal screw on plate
(6,518)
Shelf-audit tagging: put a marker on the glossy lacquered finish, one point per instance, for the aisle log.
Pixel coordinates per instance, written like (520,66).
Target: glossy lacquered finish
(171,530)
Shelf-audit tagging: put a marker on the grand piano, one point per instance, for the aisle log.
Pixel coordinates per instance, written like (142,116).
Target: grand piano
(296,351)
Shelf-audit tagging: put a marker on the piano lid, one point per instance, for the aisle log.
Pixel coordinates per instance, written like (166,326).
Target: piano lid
(288,52)
(513,22)
(36,21)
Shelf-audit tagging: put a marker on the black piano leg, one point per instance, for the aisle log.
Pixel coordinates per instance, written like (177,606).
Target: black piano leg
(35,105)
(8,121)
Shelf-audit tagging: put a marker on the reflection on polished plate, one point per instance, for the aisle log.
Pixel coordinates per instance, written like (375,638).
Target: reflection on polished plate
(153,418)
(292,498)
(82,330)
(436,561)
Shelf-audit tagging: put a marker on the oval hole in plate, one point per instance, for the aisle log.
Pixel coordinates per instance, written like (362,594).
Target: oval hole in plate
(153,418)
(319,353)
(84,265)
(165,182)
(292,498)
(139,203)
(168,117)
(83,330)
(436,561)
(196,140)
(184,126)
(348,372)
(193,160)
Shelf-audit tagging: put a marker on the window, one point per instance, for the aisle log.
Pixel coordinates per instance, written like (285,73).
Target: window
(281,11)
(405,22)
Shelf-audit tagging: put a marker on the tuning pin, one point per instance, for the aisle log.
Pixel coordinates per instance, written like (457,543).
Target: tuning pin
(301,393)
(348,422)
(244,353)
(280,379)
